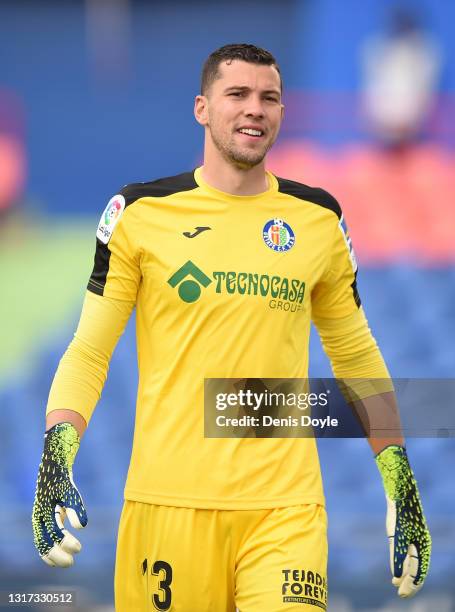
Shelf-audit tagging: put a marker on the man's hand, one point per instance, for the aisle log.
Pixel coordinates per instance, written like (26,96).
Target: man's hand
(56,497)
(409,538)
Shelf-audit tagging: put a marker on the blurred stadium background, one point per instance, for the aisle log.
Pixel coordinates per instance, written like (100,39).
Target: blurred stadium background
(97,94)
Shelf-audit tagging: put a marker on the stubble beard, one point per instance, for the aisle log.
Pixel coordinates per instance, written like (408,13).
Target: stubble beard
(242,158)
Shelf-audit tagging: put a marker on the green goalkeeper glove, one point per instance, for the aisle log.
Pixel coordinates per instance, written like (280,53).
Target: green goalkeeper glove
(409,538)
(56,497)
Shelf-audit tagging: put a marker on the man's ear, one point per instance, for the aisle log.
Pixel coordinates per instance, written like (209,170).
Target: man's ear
(201,110)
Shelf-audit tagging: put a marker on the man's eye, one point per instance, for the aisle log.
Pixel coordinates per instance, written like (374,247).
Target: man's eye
(236,93)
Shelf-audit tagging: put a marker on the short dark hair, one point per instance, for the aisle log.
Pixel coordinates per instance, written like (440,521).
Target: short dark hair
(242,51)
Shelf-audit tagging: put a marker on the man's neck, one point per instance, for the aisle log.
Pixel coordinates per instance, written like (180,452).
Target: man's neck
(236,181)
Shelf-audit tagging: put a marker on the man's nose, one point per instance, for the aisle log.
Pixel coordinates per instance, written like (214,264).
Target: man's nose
(254,107)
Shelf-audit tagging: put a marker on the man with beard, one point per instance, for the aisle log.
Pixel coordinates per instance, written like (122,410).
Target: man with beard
(215,262)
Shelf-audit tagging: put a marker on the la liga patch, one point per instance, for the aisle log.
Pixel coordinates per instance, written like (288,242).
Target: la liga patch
(110,217)
(278,235)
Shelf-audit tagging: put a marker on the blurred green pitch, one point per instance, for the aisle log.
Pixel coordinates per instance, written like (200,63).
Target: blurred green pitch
(44,268)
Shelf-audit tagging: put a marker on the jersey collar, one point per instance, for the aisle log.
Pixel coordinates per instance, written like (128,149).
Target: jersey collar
(273,187)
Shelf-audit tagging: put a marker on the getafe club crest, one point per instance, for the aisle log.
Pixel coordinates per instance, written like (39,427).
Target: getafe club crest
(278,235)
(109,218)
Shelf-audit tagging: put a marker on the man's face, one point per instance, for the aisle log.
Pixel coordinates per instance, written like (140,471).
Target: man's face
(243,111)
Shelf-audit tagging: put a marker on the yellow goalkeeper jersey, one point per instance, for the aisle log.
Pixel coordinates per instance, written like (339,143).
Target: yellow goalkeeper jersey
(224,286)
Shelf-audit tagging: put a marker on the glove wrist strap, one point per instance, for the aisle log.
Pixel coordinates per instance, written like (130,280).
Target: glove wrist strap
(396,473)
(61,443)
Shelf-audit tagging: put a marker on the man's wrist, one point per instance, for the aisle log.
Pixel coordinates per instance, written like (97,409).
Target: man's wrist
(66,416)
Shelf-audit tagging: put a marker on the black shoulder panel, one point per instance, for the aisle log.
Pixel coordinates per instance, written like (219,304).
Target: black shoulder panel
(355,291)
(322,198)
(159,188)
(155,189)
(310,194)
(98,276)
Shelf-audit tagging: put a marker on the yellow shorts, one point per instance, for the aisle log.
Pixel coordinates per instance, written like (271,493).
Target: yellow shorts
(192,560)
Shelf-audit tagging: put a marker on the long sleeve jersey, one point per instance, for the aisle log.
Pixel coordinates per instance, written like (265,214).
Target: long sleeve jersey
(224,286)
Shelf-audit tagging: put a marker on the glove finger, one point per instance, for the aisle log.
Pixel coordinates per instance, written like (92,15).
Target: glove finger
(391,523)
(397,581)
(77,517)
(42,540)
(408,588)
(422,550)
(53,521)
(58,557)
(60,515)
(412,562)
(391,550)
(70,544)
(75,509)
(52,555)
(410,567)
(399,555)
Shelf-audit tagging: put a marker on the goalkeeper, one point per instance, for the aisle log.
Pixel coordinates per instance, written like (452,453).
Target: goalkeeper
(227,266)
